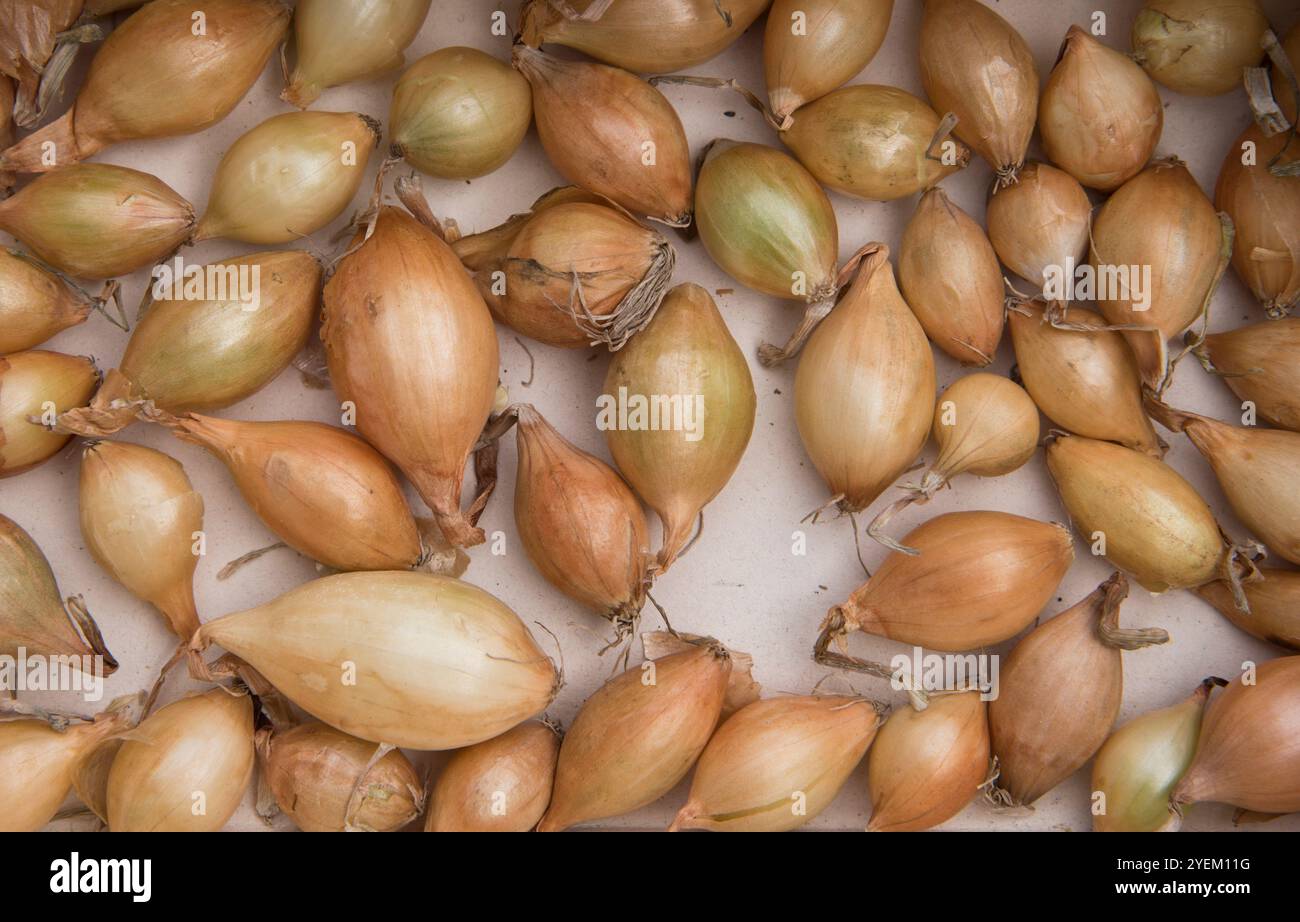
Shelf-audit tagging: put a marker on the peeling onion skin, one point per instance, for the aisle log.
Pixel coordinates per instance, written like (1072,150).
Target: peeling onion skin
(1274,606)
(1260,363)
(29,383)
(500,785)
(1199,47)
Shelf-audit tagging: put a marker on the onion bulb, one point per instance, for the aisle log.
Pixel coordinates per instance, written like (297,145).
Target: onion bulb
(1040,222)
(1059,693)
(571,272)
(459,113)
(637,736)
(157,75)
(612,133)
(776,764)
(950,277)
(140,518)
(186,767)
(339,42)
(1100,115)
(1199,47)
(96,220)
(975,65)
(327,781)
(412,659)
(811,47)
(926,766)
(1140,763)
(640,35)
(411,346)
(500,785)
(1274,613)
(1261,364)
(38,385)
(686,354)
(1248,754)
(36,303)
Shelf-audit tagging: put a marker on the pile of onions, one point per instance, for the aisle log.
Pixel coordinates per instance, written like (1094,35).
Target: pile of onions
(459,113)
(1248,754)
(327,781)
(1198,47)
(864,391)
(1059,693)
(201,75)
(637,736)
(1137,768)
(210,353)
(411,345)
(339,43)
(640,35)
(288,177)
(686,351)
(1161,219)
(500,785)
(950,277)
(186,767)
(1040,222)
(32,384)
(1274,600)
(975,65)
(927,765)
(604,271)
(811,47)
(95,220)
(580,524)
(612,133)
(1100,115)
(410,659)
(140,518)
(37,303)
(1261,363)
(925,598)
(774,765)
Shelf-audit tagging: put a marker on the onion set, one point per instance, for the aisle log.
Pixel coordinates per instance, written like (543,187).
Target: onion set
(1261,364)
(1040,222)
(37,303)
(1274,599)
(500,785)
(35,387)
(1199,47)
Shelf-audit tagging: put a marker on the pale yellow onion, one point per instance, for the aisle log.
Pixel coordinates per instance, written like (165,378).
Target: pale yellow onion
(499,785)
(637,736)
(141,518)
(1274,600)
(96,220)
(777,764)
(950,276)
(160,73)
(1039,222)
(1261,364)
(686,353)
(40,385)
(339,41)
(1100,115)
(186,767)
(36,303)
(459,113)
(975,65)
(411,659)
(811,47)
(1199,47)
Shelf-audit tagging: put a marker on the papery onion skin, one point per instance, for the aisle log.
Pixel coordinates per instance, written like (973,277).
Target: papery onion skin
(1199,47)
(864,390)
(96,220)
(612,133)
(1156,527)
(977,66)
(637,736)
(139,516)
(839,40)
(1261,364)
(411,344)
(313,770)
(459,113)
(871,142)
(926,766)
(1100,115)
(643,35)
(437,663)
(1248,754)
(157,76)
(186,767)
(1039,222)
(499,785)
(31,385)
(686,351)
(27,45)
(1274,606)
(950,276)
(775,765)
(339,42)
(35,304)
(992,429)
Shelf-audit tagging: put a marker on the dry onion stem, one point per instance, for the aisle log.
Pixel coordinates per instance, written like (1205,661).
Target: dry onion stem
(500,785)
(1199,47)
(35,387)
(1261,364)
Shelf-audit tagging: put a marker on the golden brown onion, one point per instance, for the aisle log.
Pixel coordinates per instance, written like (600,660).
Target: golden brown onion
(1199,47)
(38,385)
(1040,222)
(36,302)
(501,785)
(1261,364)
(1274,606)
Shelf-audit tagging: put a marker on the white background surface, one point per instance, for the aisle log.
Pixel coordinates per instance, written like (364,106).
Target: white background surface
(741,583)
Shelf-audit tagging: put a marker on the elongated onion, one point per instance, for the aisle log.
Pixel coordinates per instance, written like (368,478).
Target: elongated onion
(1199,47)
(500,785)
(38,385)
(1040,222)
(1261,364)
(1274,606)
(37,303)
